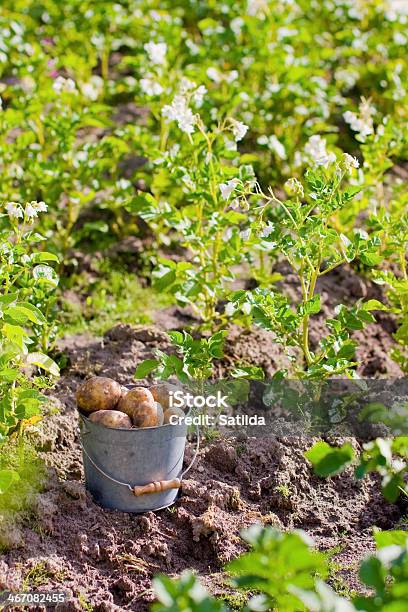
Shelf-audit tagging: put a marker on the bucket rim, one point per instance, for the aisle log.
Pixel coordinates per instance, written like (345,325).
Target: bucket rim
(128,429)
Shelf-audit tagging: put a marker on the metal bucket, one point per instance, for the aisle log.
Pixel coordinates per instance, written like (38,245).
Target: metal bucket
(118,460)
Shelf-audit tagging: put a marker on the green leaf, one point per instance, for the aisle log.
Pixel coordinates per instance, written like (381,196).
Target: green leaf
(389,538)
(16,335)
(276,563)
(16,315)
(7,479)
(328,460)
(347,350)
(26,394)
(183,594)
(372,573)
(234,217)
(146,367)
(46,274)
(392,486)
(374,305)
(162,280)
(8,298)
(176,337)
(400,446)
(311,307)
(44,256)
(250,372)
(36,314)
(8,375)
(370,259)
(44,362)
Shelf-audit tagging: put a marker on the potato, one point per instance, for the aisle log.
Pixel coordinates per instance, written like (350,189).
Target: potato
(98,393)
(161,393)
(173,411)
(140,394)
(123,390)
(141,407)
(160,413)
(111,418)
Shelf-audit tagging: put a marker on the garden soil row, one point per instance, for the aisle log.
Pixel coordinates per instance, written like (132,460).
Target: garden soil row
(107,559)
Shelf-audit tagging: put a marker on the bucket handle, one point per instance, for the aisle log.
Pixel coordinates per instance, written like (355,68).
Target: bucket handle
(153,487)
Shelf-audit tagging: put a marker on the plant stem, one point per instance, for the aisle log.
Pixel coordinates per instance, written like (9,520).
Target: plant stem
(305,325)
(403,265)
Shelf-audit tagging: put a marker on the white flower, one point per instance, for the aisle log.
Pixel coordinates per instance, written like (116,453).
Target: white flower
(357,124)
(214,74)
(229,144)
(80,157)
(123,183)
(231,76)
(263,140)
(229,309)
(316,149)
(61,84)
(239,129)
(192,47)
(276,146)
(188,181)
(361,233)
(246,308)
(30,212)
(349,162)
(16,170)
(14,210)
(267,230)
(245,234)
(257,8)
(39,206)
(347,76)
(93,88)
(198,95)
(294,187)
(156,52)
(236,25)
(228,187)
(396,9)
(363,122)
(326,161)
(150,86)
(174,150)
(189,88)
(400,39)
(186,85)
(179,111)
(284,32)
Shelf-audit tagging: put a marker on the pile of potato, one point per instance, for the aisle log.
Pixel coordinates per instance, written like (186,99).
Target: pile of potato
(105,401)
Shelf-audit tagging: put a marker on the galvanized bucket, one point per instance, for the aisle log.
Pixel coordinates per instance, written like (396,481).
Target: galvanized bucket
(133,470)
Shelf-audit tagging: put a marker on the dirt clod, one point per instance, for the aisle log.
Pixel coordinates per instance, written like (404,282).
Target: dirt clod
(106,559)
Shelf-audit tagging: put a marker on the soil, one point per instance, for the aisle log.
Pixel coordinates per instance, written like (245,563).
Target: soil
(105,559)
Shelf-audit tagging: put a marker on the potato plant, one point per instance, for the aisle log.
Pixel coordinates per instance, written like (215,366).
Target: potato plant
(385,456)
(302,231)
(194,361)
(27,284)
(65,150)
(80,63)
(207,214)
(288,574)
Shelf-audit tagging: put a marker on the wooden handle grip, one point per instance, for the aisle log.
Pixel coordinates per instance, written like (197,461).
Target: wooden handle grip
(157,487)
